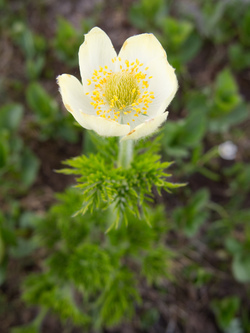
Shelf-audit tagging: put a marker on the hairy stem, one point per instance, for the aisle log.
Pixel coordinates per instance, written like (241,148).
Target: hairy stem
(125,154)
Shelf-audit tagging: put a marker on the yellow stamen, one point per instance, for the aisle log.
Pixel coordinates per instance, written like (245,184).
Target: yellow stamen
(121,92)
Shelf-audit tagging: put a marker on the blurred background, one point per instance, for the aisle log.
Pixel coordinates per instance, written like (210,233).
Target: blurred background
(207,135)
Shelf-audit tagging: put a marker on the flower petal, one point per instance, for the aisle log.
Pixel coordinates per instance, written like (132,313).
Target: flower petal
(75,102)
(104,127)
(144,47)
(161,76)
(163,83)
(147,128)
(95,52)
(73,95)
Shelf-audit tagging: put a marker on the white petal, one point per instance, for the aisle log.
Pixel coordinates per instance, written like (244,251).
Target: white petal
(78,104)
(148,50)
(163,83)
(147,128)
(97,50)
(144,47)
(104,127)
(73,95)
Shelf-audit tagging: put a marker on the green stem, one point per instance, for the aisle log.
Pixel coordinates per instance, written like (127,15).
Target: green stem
(125,154)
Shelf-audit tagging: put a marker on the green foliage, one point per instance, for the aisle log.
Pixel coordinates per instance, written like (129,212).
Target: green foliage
(40,102)
(180,135)
(178,36)
(155,264)
(239,175)
(238,56)
(226,97)
(190,217)
(118,299)
(68,39)
(244,29)
(225,311)
(241,261)
(97,280)
(33,47)
(17,161)
(15,228)
(146,13)
(180,40)
(94,265)
(135,237)
(51,121)
(11,116)
(220,18)
(126,190)
(218,107)
(43,290)
(197,275)
(89,267)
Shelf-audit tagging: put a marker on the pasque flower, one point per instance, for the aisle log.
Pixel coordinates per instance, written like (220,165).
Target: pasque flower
(120,95)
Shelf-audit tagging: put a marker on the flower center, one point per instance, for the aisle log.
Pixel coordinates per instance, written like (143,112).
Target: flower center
(117,95)
(121,90)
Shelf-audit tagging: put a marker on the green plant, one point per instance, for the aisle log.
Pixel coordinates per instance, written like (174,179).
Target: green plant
(47,115)
(33,47)
(225,311)
(100,268)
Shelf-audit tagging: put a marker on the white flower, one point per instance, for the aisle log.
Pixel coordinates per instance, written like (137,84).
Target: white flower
(120,95)
(228,150)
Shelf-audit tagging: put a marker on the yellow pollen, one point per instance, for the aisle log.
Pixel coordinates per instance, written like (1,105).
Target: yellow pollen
(121,90)
(119,94)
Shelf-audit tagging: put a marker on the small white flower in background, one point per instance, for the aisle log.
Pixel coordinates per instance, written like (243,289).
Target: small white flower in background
(228,150)
(120,95)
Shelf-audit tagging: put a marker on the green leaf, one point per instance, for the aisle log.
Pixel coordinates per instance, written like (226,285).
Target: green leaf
(67,41)
(42,290)
(35,66)
(119,298)
(126,190)
(185,133)
(223,122)
(24,38)
(238,56)
(244,29)
(29,167)
(146,13)
(190,217)
(11,116)
(4,148)
(23,248)
(40,102)
(176,32)
(194,129)
(226,96)
(233,246)
(2,249)
(31,328)
(156,264)
(89,268)
(241,267)
(225,310)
